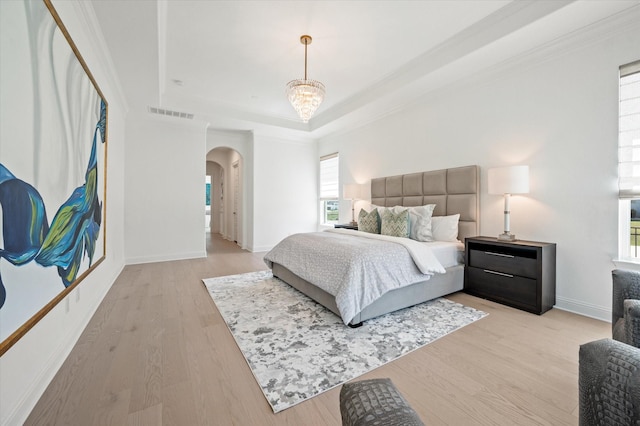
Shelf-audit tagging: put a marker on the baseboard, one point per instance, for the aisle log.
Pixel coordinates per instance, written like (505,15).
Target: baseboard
(586,309)
(165,258)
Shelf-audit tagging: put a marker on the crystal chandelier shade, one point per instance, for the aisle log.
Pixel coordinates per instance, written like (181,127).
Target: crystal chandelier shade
(305,95)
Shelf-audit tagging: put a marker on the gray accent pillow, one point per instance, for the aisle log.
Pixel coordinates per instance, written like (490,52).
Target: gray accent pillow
(369,221)
(395,224)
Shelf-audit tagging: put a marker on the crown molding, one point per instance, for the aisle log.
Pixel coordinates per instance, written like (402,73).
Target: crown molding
(589,35)
(495,26)
(612,26)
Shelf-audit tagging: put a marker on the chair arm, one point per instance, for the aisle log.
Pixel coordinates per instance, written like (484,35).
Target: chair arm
(632,322)
(609,383)
(626,285)
(375,402)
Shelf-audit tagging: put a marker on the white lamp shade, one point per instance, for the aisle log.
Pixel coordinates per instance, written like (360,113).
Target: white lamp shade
(508,180)
(353,191)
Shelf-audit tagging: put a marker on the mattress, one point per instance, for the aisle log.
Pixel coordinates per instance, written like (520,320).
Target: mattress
(357,268)
(448,253)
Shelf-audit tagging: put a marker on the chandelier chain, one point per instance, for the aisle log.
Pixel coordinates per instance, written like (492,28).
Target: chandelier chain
(305,58)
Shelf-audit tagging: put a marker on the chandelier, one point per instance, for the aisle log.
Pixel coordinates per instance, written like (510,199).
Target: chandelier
(305,95)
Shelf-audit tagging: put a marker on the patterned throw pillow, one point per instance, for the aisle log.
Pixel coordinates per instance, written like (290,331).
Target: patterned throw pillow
(369,221)
(395,224)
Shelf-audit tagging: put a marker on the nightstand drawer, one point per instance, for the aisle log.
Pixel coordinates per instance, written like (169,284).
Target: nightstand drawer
(519,273)
(515,262)
(498,286)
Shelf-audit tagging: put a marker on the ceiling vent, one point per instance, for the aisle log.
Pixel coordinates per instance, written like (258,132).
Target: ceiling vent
(169,113)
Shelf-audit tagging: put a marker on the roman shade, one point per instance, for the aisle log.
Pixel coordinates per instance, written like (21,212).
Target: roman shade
(629,131)
(329,188)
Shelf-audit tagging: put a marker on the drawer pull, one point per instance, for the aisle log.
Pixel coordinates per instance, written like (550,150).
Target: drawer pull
(498,273)
(499,254)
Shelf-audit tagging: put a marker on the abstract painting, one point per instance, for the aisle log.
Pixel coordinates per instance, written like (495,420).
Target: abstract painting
(53,147)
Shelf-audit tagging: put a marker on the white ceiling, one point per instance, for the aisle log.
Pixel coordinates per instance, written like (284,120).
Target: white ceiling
(227,62)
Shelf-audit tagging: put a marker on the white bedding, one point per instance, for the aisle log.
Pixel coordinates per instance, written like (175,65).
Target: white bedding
(421,253)
(357,268)
(448,253)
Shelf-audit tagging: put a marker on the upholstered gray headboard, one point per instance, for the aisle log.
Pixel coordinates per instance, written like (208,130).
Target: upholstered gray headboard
(453,191)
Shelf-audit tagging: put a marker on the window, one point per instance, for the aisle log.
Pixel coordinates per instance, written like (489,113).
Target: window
(329,178)
(629,160)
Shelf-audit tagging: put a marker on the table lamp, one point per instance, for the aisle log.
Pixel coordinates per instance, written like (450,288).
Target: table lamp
(507,181)
(353,192)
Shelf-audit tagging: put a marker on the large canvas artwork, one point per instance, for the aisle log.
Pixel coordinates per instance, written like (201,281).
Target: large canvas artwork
(53,146)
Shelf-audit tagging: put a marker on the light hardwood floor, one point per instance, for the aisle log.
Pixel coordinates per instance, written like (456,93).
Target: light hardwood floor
(157,352)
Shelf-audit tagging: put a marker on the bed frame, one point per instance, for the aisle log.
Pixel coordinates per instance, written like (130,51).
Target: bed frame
(453,191)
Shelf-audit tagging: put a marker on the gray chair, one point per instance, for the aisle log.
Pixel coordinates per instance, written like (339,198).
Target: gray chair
(609,382)
(375,402)
(609,372)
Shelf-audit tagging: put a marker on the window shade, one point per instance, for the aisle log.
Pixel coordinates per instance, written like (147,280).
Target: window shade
(329,177)
(629,131)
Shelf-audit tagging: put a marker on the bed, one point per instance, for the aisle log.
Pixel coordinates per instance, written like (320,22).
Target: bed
(453,191)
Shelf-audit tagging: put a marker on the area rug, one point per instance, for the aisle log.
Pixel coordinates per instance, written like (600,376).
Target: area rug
(298,349)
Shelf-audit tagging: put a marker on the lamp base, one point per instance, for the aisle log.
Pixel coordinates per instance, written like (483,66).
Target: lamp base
(506,236)
(353,223)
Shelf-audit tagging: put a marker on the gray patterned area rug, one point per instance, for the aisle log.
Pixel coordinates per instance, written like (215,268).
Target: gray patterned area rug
(298,349)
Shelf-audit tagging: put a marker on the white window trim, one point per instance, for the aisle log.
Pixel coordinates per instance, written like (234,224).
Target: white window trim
(628,176)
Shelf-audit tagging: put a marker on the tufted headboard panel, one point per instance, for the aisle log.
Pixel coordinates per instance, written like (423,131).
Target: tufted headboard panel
(453,191)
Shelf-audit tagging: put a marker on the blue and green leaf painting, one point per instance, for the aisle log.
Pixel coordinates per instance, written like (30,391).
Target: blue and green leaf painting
(73,232)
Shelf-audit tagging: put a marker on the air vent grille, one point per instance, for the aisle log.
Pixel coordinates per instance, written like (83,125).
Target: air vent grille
(169,113)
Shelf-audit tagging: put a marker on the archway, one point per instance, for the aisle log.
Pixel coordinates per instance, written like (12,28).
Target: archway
(224,166)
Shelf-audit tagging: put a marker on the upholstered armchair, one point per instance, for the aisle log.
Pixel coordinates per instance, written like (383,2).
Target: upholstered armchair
(625,321)
(609,372)
(609,383)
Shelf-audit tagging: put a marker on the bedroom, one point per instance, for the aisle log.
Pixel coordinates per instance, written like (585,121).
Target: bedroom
(555,109)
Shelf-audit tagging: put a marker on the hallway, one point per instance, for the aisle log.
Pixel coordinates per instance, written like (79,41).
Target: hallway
(224,253)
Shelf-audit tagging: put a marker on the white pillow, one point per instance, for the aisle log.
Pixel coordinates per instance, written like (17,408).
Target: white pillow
(445,228)
(419,220)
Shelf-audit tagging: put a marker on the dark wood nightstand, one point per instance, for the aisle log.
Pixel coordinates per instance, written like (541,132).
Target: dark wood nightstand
(521,274)
(346,226)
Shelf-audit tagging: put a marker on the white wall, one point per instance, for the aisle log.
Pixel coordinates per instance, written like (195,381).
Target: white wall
(555,111)
(285,189)
(164,174)
(29,365)
(279,185)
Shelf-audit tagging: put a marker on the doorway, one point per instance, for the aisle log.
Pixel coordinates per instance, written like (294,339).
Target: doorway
(214,212)
(207,203)
(224,167)
(236,198)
